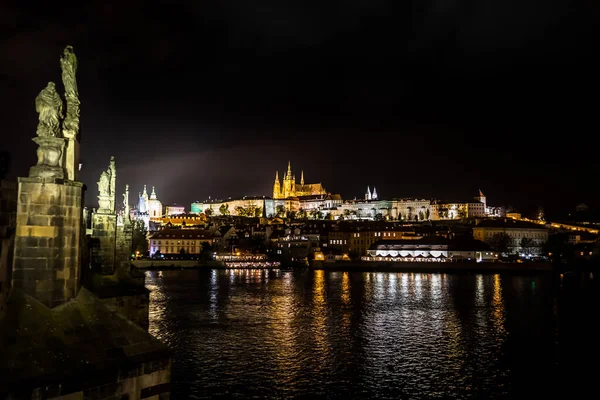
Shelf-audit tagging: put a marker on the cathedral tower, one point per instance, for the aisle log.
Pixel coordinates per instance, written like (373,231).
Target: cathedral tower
(288,183)
(277,187)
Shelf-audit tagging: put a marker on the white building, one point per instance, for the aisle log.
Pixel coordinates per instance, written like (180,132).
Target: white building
(430,249)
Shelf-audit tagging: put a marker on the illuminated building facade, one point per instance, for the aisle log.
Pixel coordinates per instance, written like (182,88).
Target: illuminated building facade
(179,241)
(489,230)
(289,188)
(174,210)
(430,249)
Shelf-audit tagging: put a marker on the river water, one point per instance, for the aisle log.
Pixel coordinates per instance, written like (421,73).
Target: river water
(329,335)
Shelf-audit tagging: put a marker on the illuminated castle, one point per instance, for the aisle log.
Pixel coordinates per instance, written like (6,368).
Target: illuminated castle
(289,188)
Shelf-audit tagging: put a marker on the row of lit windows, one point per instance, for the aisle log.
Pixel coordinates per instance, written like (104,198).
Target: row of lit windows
(171,250)
(337,241)
(189,243)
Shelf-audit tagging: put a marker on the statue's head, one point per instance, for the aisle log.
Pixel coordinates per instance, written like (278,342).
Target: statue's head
(68,49)
(51,85)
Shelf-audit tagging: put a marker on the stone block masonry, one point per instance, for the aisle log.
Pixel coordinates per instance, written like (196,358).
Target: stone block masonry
(104,253)
(8,221)
(47,254)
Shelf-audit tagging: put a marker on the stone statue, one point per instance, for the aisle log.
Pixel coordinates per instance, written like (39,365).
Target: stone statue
(70,127)
(50,107)
(68,63)
(126,199)
(104,184)
(112,173)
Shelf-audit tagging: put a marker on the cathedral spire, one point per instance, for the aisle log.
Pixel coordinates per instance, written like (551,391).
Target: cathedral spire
(145,192)
(368,194)
(277,177)
(289,171)
(153,194)
(302,178)
(374,194)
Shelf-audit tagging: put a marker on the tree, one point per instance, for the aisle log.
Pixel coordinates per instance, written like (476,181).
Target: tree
(409,215)
(378,217)
(558,247)
(208,212)
(291,215)
(527,245)
(258,212)
(206,252)
(462,213)
(301,214)
(501,242)
(427,214)
(241,211)
(139,241)
(280,211)
(224,209)
(421,215)
(320,215)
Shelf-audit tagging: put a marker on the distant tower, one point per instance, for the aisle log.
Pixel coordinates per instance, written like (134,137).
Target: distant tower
(277,187)
(368,194)
(143,201)
(288,183)
(302,178)
(374,194)
(481,198)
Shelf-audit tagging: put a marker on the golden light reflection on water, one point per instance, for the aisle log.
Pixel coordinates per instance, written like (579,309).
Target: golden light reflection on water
(346,288)
(498,312)
(281,326)
(319,312)
(479,291)
(418,286)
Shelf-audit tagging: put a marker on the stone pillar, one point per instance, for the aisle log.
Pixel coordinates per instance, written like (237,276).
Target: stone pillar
(47,255)
(104,230)
(8,222)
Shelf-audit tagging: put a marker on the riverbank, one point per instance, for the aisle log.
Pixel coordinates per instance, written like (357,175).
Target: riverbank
(449,267)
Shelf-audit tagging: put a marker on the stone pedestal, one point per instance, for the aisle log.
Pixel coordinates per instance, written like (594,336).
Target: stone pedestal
(47,256)
(50,157)
(104,230)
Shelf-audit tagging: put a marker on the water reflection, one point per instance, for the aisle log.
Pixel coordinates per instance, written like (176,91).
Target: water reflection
(339,334)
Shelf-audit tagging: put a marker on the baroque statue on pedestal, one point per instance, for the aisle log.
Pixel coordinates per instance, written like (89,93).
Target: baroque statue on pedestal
(50,108)
(104,184)
(68,64)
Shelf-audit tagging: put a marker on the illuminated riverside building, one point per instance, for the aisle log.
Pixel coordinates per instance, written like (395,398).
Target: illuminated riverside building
(178,241)
(535,234)
(430,249)
(356,240)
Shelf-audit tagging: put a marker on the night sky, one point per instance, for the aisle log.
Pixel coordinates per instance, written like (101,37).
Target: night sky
(420,99)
